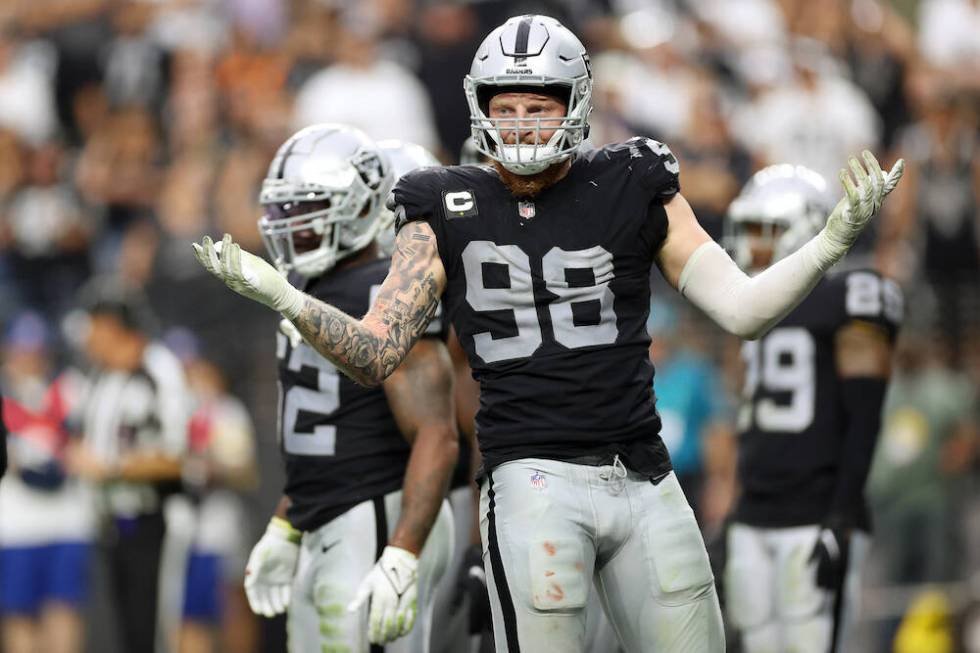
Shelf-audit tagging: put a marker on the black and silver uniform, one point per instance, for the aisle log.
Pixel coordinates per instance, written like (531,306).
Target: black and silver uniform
(792,423)
(340,442)
(550,299)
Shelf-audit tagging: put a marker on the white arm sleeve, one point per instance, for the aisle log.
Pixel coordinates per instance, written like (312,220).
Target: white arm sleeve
(749,306)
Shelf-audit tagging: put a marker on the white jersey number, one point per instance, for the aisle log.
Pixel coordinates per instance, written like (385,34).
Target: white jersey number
(324,400)
(517,297)
(782,362)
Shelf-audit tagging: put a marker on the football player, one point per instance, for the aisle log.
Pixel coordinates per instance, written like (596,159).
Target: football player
(542,262)
(450,623)
(814,387)
(362,533)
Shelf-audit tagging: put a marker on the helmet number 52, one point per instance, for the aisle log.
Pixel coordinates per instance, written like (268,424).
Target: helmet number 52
(499,284)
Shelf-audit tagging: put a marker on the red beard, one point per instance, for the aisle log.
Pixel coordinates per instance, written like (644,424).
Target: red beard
(529,186)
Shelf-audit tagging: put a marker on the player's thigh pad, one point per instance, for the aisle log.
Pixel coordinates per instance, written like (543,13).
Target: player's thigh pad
(749,578)
(676,554)
(658,586)
(537,530)
(333,561)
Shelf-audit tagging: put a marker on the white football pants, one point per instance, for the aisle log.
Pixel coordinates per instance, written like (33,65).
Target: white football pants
(333,561)
(549,528)
(771,593)
(450,622)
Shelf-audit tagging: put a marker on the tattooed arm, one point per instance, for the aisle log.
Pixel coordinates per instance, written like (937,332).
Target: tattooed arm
(369,349)
(420,396)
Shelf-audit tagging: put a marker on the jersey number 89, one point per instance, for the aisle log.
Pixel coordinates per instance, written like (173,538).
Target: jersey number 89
(782,362)
(518,297)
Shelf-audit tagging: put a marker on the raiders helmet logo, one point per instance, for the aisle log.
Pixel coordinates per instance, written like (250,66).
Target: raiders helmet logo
(459,204)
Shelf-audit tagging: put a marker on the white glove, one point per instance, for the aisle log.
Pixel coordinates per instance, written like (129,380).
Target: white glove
(249,275)
(271,567)
(862,199)
(393,589)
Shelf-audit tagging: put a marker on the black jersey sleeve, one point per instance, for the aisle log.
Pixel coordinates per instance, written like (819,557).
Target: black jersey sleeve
(866,296)
(414,198)
(659,171)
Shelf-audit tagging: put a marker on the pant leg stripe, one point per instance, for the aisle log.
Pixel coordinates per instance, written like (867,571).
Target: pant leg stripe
(839,600)
(499,579)
(380,541)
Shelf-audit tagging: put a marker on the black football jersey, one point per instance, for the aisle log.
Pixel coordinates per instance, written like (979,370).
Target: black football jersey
(550,297)
(339,440)
(791,423)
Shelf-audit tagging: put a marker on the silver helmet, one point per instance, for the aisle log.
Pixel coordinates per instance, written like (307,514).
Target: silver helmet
(530,52)
(402,158)
(322,197)
(788,204)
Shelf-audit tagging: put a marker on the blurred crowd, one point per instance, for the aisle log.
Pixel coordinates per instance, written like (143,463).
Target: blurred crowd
(129,128)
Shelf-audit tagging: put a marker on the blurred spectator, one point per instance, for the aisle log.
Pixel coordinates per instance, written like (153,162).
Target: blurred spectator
(879,49)
(134,64)
(816,118)
(448,35)
(49,233)
(362,90)
(47,520)
(250,79)
(220,465)
(118,170)
(197,26)
(715,168)
(134,435)
(948,36)
(26,87)
(653,89)
(936,210)
(927,418)
(192,109)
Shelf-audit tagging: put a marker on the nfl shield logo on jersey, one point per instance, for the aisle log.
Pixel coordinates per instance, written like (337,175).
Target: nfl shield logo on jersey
(538,481)
(525,210)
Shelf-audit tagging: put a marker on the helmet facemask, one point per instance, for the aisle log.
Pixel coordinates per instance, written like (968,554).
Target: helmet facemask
(521,158)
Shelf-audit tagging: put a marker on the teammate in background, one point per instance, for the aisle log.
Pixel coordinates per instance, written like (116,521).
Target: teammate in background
(450,619)
(47,520)
(134,436)
(542,260)
(349,552)
(219,467)
(813,393)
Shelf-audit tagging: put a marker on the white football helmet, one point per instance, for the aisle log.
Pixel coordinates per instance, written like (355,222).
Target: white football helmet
(529,53)
(402,158)
(322,197)
(789,202)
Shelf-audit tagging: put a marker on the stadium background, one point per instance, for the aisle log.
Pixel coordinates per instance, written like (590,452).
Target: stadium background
(129,129)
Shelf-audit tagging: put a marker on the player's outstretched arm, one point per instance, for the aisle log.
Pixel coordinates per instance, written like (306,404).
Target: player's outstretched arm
(369,349)
(419,393)
(749,307)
